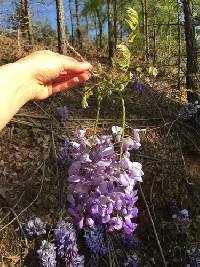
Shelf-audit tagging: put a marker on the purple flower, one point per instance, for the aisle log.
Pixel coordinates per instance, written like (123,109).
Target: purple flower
(101,184)
(95,242)
(63,113)
(188,110)
(129,227)
(65,238)
(34,227)
(140,86)
(130,263)
(63,155)
(130,241)
(194,257)
(47,254)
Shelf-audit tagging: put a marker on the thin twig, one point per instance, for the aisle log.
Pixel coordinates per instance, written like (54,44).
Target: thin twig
(31,116)
(74,51)
(153,225)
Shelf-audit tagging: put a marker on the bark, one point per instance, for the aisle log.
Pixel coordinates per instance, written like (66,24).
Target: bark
(191,50)
(61,27)
(71,20)
(29,25)
(145,28)
(78,28)
(100,28)
(115,22)
(110,31)
(179,46)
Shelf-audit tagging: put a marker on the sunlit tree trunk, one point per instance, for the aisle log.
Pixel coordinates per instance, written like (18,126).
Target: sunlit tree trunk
(61,27)
(29,23)
(191,50)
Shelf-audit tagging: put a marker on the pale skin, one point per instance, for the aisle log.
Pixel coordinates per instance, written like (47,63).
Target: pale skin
(37,77)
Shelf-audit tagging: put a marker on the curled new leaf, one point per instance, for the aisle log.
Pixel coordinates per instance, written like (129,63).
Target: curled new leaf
(131,18)
(122,57)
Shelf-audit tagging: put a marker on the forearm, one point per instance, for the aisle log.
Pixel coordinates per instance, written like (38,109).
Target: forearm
(13,94)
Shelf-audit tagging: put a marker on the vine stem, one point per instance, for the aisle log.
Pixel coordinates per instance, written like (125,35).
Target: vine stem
(123,122)
(98,114)
(153,226)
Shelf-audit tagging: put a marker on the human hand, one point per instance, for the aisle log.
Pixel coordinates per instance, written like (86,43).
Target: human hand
(48,73)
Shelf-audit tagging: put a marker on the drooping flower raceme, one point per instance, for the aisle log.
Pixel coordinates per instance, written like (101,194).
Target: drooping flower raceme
(94,239)
(101,184)
(34,227)
(47,254)
(188,110)
(95,242)
(65,238)
(63,113)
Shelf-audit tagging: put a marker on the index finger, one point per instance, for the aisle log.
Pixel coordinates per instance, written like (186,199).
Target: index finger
(75,66)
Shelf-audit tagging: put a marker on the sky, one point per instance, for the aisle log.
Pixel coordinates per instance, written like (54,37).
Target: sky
(39,12)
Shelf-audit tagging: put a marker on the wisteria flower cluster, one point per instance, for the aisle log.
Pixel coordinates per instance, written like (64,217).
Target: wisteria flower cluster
(65,238)
(34,227)
(63,113)
(188,110)
(194,257)
(47,254)
(102,183)
(95,242)
(182,221)
(140,86)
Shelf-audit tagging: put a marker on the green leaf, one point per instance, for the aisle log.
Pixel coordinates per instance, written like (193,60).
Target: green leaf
(131,18)
(86,95)
(122,57)
(153,71)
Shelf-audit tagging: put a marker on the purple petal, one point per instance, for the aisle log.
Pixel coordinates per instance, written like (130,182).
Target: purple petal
(81,188)
(74,168)
(106,218)
(129,227)
(108,151)
(80,134)
(74,178)
(124,179)
(80,223)
(89,222)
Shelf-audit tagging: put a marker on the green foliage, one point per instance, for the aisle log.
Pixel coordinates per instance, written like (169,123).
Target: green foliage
(116,79)
(122,57)
(131,19)
(153,71)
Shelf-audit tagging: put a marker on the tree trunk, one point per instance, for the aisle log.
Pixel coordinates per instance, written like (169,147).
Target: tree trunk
(22,18)
(71,20)
(179,46)
(115,22)
(100,28)
(191,50)
(110,31)
(78,28)
(29,23)
(61,27)
(154,40)
(145,28)
(96,35)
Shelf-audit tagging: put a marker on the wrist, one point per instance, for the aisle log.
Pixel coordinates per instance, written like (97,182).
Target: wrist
(16,79)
